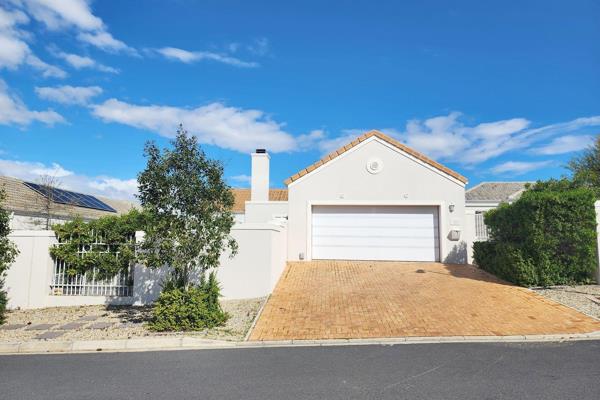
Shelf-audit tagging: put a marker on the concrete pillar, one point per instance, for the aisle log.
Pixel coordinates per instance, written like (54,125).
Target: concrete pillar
(259,184)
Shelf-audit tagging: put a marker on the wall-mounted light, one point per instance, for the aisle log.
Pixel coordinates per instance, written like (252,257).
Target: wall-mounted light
(451,207)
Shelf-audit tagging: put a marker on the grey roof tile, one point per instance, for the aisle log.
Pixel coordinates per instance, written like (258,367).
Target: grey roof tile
(495,191)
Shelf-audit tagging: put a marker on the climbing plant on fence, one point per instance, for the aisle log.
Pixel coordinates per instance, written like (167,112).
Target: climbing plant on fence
(104,246)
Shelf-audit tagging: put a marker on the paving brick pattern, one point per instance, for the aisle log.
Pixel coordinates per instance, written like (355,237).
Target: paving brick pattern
(348,299)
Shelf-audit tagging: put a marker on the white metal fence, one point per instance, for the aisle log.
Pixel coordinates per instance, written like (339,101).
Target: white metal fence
(481,229)
(66,284)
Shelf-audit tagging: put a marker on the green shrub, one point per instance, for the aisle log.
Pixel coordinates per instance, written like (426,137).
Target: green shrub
(192,309)
(547,237)
(3,302)
(505,261)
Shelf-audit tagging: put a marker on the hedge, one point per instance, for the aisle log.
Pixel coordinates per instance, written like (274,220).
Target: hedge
(545,238)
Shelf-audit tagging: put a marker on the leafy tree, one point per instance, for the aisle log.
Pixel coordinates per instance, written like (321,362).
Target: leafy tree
(586,168)
(188,209)
(8,252)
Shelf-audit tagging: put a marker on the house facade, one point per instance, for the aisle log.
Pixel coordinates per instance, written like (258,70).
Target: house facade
(372,199)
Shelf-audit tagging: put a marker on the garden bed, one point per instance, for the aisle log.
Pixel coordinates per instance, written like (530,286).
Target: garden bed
(123,322)
(583,298)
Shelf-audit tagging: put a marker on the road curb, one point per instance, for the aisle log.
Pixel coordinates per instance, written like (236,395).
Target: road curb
(256,317)
(193,343)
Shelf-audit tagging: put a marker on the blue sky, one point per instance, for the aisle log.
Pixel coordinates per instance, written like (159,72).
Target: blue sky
(494,90)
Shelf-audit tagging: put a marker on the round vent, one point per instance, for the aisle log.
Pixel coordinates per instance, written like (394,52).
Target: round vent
(374,165)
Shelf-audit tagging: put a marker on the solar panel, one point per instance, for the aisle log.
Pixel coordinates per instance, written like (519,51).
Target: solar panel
(71,198)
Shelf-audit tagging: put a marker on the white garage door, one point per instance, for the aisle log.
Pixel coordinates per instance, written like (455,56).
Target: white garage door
(404,233)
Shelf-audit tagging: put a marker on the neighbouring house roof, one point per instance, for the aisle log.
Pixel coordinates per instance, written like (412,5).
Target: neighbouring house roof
(21,199)
(495,191)
(385,138)
(241,196)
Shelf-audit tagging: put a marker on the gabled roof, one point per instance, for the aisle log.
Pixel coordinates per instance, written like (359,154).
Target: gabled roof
(495,191)
(386,139)
(241,196)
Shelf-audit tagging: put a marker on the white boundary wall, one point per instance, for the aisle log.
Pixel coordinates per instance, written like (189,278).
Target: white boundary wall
(469,233)
(253,272)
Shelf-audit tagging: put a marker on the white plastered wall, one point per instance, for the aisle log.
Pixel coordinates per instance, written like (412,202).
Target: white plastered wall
(402,181)
(252,273)
(265,211)
(471,208)
(28,279)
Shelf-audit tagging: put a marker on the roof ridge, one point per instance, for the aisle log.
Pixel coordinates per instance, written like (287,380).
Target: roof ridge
(385,138)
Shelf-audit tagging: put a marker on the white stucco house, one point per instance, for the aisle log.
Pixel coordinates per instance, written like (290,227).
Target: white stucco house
(372,199)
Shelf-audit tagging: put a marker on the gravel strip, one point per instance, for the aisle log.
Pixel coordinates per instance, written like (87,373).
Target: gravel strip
(123,322)
(583,298)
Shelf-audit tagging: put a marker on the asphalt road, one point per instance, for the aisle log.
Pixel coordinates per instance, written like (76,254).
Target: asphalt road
(428,371)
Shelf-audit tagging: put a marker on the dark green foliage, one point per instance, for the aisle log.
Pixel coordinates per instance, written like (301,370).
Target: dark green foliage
(192,309)
(547,237)
(3,302)
(586,168)
(188,205)
(8,252)
(114,253)
(505,261)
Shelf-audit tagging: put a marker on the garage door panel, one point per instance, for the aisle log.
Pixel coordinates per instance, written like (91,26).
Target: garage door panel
(381,241)
(375,233)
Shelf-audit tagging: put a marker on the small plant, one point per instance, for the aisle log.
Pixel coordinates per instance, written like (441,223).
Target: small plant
(194,309)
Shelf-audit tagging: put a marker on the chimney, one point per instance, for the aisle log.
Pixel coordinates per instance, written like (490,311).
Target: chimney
(259,184)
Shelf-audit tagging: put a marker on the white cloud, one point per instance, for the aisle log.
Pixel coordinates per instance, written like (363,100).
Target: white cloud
(68,94)
(77,15)
(127,188)
(187,57)
(14,50)
(64,13)
(328,145)
(565,144)
(14,111)
(80,62)
(99,185)
(55,170)
(48,71)
(105,41)
(226,127)
(519,167)
(447,138)
(241,178)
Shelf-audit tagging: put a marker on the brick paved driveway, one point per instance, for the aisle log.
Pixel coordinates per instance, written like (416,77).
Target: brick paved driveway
(348,299)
